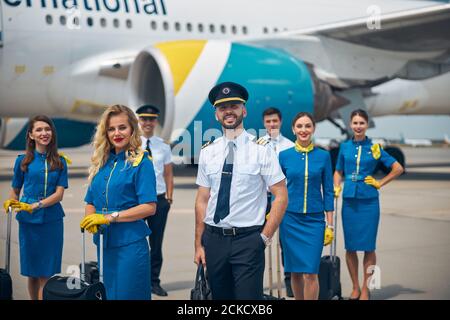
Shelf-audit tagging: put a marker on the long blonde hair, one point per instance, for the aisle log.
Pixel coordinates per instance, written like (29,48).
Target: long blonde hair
(102,146)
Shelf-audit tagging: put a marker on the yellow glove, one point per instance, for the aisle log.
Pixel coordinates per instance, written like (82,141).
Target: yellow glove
(93,229)
(337,191)
(10,203)
(329,236)
(371,181)
(22,206)
(91,220)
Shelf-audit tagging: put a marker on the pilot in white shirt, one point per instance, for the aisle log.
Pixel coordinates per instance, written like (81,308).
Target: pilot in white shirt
(234,173)
(162,162)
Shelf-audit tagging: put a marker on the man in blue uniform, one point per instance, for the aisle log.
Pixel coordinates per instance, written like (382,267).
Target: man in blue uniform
(234,173)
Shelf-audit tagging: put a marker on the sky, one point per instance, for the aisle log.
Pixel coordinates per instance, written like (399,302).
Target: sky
(391,127)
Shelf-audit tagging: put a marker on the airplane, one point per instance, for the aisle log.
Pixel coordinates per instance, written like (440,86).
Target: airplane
(71,58)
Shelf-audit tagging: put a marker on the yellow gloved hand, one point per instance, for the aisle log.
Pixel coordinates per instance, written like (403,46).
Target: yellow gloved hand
(337,191)
(94,219)
(22,206)
(93,229)
(10,203)
(371,181)
(329,236)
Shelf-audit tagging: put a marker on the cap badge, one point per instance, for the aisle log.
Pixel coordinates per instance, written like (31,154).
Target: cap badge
(226,90)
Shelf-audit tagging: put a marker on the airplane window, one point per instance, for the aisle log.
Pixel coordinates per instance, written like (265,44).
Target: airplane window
(90,22)
(63,20)
(212,29)
(265,30)
(166,25)
(153,25)
(129,23)
(103,22)
(244,30)
(234,29)
(177,26)
(49,19)
(275,30)
(76,21)
(223,29)
(189,26)
(200,27)
(116,23)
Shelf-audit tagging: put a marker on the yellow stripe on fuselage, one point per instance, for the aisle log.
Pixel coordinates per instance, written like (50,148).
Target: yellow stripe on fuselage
(181,57)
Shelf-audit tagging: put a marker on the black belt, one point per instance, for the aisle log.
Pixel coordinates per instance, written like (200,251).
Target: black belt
(231,231)
(161,195)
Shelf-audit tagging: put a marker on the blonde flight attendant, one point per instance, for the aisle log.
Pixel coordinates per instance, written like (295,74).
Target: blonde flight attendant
(42,174)
(121,194)
(355,166)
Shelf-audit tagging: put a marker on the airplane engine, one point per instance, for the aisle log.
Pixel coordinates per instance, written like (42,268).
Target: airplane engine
(177,77)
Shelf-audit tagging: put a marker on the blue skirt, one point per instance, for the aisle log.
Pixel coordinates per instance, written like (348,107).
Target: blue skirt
(360,218)
(126,272)
(41,247)
(302,239)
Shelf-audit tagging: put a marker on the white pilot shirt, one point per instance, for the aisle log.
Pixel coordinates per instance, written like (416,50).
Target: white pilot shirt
(279,143)
(161,155)
(255,168)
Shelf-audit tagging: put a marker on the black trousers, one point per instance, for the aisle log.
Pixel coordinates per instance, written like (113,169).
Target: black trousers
(157,223)
(235,264)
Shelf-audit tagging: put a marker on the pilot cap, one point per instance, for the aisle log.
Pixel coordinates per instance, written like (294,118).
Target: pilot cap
(148,111)
(227,92)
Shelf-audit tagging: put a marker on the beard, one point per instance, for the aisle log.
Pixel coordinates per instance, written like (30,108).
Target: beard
(238,121)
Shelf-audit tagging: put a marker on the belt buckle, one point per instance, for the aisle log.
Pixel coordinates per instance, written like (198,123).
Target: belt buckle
(354,177)
(225,233)
(104,210)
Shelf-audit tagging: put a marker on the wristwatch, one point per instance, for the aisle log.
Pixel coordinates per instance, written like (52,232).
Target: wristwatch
(115,216)
(267,240)
(169,200)
(40,205)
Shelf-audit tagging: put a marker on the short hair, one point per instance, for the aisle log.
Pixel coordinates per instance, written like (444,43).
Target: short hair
(270,111)
(303,114)
(360,112)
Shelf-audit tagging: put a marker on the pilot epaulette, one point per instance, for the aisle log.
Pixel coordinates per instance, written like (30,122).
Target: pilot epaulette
(262,141)
(62,155)
(207,144)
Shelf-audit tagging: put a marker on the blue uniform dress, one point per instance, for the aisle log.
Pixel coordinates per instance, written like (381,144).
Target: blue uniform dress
(120,185)
(310,191)
(40,233)
(360,204)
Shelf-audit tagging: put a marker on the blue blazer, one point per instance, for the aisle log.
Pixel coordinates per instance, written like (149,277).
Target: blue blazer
(117,186)
(354,174)
(308,174)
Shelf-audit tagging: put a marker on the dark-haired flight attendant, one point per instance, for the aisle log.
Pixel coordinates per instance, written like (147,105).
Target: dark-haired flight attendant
(303,230)
(42,173)
(355,165)
(121,194)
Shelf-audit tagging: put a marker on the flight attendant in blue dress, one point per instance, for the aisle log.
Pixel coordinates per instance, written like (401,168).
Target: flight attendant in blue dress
(355,166)
(303,230)
(121,194)
(42,173)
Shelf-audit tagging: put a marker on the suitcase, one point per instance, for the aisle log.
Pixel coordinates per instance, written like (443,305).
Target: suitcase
(5,278)
(91,272)
(68,288)
(270,296)
(330,270)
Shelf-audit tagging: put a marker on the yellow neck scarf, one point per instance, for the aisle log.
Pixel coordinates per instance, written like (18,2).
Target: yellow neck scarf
(307,149)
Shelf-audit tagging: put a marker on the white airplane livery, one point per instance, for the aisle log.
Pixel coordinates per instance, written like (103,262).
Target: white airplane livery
(71,58)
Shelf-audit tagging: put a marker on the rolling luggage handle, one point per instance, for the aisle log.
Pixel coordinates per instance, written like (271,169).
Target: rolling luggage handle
(83,256)
(8,240)
(333,244)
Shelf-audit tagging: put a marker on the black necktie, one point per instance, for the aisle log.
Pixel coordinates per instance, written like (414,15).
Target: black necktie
(223,199)
(148,148)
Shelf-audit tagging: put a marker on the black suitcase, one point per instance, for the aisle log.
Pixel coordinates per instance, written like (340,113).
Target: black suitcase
(5,278)
(201,289)
(69,288)
(330,270)
(91,272)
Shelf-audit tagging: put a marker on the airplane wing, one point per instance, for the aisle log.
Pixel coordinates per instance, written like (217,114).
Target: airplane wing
(413,44)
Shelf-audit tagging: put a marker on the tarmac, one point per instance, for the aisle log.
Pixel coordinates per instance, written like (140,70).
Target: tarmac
(413,255)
